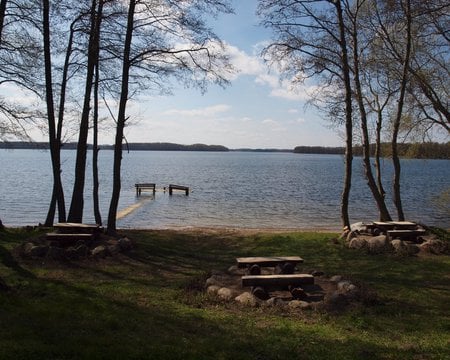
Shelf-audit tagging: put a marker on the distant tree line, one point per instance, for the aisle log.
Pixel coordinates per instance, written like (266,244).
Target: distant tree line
(130,146)
(427,150)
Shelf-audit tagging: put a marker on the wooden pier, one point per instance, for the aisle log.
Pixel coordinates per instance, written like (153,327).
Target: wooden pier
(178,187)
(145,186)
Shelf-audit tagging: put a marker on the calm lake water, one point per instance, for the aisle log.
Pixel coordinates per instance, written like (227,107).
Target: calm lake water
(233,189)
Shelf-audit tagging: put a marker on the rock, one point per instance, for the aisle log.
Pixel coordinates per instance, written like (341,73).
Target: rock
(82,251)
(357,243)
(125,244)
(213,280)
(399,247)
(435,246)
(113,249)
(35,250)
(275,302)
(358,227)
(403,248)
(246,299)
(412,249)
(226,293)
(55,253)
(351,235)
(298,304)
(233,270)
(71,253)
(346,287)
(336,301)
(212,290)
(378,244)
(336,278)
(99,252)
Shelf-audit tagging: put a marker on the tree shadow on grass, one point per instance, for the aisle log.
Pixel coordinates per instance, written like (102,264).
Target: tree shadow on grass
(8,260)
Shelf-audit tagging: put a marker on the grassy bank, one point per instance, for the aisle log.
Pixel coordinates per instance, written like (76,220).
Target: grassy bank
(147,303)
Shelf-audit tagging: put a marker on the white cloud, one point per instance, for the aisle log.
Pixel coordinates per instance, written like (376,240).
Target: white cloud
(293,111)
(269,122)
(209,111)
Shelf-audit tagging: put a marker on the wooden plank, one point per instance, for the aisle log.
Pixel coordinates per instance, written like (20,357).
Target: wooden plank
(267,261)
(76,225)
(144,186)
(71,228)
(405,233)
(68,239)
(277,280)
(178,187)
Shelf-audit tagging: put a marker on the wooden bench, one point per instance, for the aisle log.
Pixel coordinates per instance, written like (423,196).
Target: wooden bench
(284,264)
(68,239)
(405,234)
(178,187)
(144,186)
(77,228)
(262,284)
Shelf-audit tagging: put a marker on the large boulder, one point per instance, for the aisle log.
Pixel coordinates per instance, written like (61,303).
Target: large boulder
(358,243)
(247,299)
(32,250)
(226,294)
(378,244)
(100,252)
(435,246)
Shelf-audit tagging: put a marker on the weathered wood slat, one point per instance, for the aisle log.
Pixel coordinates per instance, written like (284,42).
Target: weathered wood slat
(68,239)
(145,186)
(72,228)
(178,187)
(405,233)
(277,280)
(267,261)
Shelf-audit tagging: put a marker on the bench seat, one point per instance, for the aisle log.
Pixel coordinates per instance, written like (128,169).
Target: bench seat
(277,280)
(244,262)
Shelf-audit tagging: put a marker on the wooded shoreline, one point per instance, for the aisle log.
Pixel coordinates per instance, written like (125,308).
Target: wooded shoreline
(430,150)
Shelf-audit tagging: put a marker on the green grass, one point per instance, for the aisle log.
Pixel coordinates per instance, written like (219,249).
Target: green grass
(145,305)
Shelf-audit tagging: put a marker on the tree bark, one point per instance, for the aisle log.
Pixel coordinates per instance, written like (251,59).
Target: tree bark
(396,127)
(77,203)
(348,119)
(53,143)
(378,197)
(112,214)
(95,150)
(2,16)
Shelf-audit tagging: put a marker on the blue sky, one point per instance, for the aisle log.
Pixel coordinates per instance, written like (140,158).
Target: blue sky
(256,111)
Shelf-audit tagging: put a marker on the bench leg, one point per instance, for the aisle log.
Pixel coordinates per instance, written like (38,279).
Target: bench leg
(254,269)
(285,268)
(260,292)
(297,292)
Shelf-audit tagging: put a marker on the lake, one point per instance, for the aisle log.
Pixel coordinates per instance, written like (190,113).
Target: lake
(228,189)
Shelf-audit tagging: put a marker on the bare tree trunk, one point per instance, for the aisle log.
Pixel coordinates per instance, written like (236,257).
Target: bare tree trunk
(77,204)
(2,16)
(396,127)
(348,119)
(378,152)
(54,145)
(112,214)
(95,150)
(62,101)
(378,197)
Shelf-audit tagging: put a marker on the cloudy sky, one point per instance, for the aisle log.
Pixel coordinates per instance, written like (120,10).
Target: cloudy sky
(256,111)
